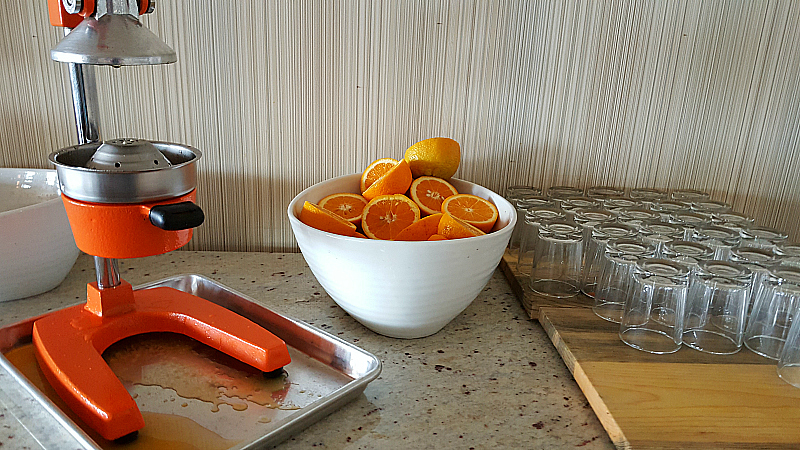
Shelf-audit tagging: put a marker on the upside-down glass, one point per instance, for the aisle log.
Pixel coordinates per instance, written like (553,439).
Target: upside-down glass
(733,220)
(522,204)
(658,233)
(614,281)
(636,216)
(648,195)
(518,191)
(668,207)
(789,253)
(789,362)
(762,237)
(687,253)
(556,270)
(757,260)
(559,193)
(689,195)
(616,276)
(652,320)
(716,307)
(689,220)
(534,217)
(593,255)
(775,308)
(603,192)
(615,204)
(710,207)
(722,240)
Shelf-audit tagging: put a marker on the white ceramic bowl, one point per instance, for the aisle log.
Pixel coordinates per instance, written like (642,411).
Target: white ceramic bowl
(401,289)
(37,249)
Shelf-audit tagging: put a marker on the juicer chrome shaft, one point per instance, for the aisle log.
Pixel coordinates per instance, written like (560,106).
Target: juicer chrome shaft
(87,108)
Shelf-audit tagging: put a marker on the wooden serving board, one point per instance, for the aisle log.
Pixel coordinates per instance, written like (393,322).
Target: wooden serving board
(686,400)
(531,301)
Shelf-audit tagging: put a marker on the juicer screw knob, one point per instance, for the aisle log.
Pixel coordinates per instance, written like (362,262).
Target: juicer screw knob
(72,6)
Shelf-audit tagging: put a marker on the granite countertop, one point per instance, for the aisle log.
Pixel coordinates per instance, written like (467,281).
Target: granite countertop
(490,379)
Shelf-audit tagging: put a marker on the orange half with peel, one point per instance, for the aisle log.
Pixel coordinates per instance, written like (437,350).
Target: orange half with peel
(346,205)
(396,181)
(430,192)
(322,219)
(386,216)
(474,210)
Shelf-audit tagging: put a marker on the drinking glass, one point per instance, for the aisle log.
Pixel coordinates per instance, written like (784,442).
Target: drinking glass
(518,191)
(658,233)
(716,307)
(775,308)
(788,253)
(722,240)
(762,237)
(534,217)
(668,207)
(689,195)
(652,320)
(687,253)
(730,219)
(689,221)
(571,204)
(710,207)
(593,256)
(648,195)
(789,362)
(757,260)
(636,216)
(616,275)
(615,204)
(559,193)
(522,204)
(603,192)
(556,270)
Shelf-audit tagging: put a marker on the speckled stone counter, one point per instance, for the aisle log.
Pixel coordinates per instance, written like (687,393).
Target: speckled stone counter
(489,379)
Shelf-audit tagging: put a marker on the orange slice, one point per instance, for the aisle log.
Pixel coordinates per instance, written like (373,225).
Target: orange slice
(420,230)
(472,209)
(377,169)
(430,192)
(396,181)
(386,216)
(453,228)
(322,219)
(345,205)
(437,237)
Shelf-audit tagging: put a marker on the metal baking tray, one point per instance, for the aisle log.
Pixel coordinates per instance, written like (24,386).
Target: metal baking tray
(325,373)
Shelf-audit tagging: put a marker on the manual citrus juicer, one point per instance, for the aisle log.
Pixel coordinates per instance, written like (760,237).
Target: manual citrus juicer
(126,198)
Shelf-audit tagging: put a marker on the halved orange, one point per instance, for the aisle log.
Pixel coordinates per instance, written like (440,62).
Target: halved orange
(375,170)
(386,216)
(322,219)
(437,237)
(472,209)
(345,205)
(396,181)
(420,230)
(430,192)
(453,228)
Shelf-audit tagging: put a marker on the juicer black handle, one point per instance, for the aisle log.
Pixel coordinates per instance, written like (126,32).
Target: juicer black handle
(177,216)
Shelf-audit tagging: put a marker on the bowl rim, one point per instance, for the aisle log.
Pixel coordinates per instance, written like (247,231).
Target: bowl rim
(38,205)
(295,221)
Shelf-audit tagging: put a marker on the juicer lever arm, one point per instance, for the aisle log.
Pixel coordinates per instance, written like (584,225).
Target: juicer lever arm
(177,216)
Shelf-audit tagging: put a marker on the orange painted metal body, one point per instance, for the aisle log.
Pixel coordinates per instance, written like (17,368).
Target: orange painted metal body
(70,343)
(59,17)
(122,230)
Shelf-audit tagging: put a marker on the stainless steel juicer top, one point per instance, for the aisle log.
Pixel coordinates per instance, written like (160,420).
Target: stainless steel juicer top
(126,170)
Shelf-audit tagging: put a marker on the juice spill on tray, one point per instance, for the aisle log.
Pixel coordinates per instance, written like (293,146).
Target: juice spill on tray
(179,365)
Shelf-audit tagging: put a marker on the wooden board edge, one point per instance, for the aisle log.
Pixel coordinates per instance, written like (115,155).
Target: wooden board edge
(595,401)
(516,286)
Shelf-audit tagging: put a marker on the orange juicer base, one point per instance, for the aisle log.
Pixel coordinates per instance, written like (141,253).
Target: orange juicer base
(70,342)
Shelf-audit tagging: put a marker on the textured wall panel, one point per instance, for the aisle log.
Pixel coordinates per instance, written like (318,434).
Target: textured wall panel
(282,94)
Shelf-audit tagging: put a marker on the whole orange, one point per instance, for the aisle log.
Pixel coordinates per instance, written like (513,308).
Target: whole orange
(436,157)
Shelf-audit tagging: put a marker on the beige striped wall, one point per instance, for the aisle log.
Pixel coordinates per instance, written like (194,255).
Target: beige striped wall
(281,94)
